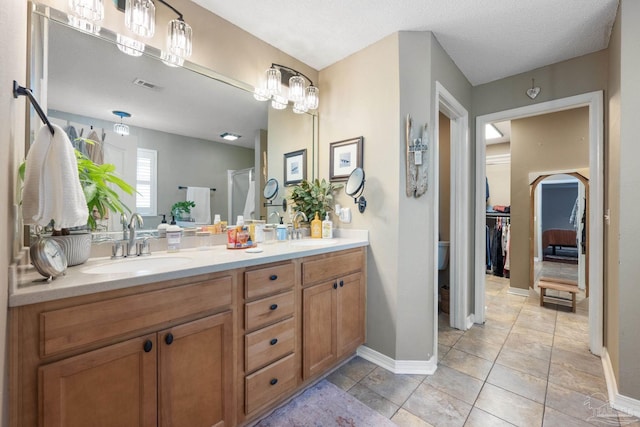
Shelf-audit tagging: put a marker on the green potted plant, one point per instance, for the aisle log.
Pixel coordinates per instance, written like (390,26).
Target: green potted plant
(182,210)
(313,196)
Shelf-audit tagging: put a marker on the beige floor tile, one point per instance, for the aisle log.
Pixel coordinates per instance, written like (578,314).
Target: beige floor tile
(518,382)
(436,407)
(510,407)
(524,344)
(570,344)
(373,400)
(526,334)
(477,347)
(467,363)
(449,337)
(582,361)
(342,381)
(393,387)
(577,405)
(555,418)
(523,362)
(455,383)
(576,380)
(404,418)
(479,418)
(488,334)
(442,351)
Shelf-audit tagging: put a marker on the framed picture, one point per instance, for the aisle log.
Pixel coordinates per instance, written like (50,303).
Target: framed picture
(295,167)
(345,156)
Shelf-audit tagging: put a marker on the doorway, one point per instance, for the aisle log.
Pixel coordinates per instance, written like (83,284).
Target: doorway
(594,103)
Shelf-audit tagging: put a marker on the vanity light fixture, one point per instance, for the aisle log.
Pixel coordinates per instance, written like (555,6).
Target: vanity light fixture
(229,136)
(121,128)
(130,46)
(270,88)
(86,15)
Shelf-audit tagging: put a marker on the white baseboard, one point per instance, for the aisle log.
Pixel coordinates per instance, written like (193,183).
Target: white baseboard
(618,401)
(518,291)
(419,367)
(470,321)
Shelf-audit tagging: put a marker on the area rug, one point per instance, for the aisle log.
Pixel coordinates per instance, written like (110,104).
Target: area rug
(324,405)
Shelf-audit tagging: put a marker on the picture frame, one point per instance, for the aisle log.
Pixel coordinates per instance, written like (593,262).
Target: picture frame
(295,167)
(345,156)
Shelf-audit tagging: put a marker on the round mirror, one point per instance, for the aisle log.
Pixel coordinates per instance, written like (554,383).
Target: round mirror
(355,183)
(270,189)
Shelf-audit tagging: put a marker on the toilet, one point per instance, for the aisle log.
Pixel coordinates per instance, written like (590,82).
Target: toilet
(443,255)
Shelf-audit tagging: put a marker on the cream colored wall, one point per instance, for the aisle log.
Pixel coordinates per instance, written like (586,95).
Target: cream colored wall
(499,176)
(445,176)
(13,21)
(549,142)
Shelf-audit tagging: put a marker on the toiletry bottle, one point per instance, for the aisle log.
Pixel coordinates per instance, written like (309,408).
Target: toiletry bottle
(327,227)
(162,227)
(281,231)
(174,234)
(316,227)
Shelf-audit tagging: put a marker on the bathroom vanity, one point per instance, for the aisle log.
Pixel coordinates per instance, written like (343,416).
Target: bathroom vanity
(217,339)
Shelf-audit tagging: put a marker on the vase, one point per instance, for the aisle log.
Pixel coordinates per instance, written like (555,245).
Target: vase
(76,247)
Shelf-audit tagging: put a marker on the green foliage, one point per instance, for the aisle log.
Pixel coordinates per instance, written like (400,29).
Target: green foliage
(314,196)
(180,208)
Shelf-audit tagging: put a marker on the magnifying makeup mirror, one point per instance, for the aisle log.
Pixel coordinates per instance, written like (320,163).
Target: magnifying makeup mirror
(355,187)
(271,191)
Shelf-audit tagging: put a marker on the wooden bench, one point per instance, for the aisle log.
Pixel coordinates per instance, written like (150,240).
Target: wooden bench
(558,285)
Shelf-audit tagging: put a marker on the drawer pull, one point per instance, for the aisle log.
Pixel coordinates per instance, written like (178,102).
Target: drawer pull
(148,345)
(341,283)
(335,285)
(273,277)
(168,338)
(273,306)
(274,341)
(274,381)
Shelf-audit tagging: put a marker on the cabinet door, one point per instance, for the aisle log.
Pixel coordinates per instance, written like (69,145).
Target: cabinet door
(319,317)
(112,386)
(195,373)
(350,313)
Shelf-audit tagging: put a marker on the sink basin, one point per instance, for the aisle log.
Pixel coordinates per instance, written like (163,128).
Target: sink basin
(138,265)
(314,242)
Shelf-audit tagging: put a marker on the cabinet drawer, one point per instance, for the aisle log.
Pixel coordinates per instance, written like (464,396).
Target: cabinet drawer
(268,344)
(268,280)
(269,383)
(268,310)
(319,270)
(74,327)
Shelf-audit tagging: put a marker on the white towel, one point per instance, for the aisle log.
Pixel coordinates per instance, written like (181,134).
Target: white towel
(250,203)
(201,196)
(52,189)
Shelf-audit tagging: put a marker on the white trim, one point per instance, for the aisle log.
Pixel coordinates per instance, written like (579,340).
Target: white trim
(596,201)
(518,291)
(417,367)
(470,321)
(617,401)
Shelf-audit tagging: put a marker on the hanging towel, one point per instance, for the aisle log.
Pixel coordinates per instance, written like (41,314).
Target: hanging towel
(96,152)
(201,196)
(52,189)
(250,203)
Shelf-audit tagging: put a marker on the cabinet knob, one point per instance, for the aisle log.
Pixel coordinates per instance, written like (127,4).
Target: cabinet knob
(335,285)
(274,341)
(273,306)
(148,345)
(168,338)
(273,277)
(274,381)
(341,283)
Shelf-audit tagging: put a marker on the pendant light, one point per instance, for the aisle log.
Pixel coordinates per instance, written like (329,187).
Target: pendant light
(121,128)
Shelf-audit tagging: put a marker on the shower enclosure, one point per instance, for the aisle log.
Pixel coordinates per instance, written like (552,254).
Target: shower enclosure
(241,191)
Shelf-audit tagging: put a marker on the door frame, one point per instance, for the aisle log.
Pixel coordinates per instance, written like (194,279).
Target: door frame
(593,100)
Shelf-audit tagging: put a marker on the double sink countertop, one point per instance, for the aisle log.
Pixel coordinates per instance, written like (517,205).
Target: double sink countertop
(104,274)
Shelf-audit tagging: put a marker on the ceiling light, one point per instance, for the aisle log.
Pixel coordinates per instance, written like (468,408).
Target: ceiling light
(130,46)
(230,136)
(492,132)
(270,88)
(121,128)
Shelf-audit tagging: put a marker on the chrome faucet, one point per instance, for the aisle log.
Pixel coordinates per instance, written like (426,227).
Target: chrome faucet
(297,233)
(135,218)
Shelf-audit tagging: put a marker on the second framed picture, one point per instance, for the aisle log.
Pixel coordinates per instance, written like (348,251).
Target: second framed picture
(345,156)
(295,167)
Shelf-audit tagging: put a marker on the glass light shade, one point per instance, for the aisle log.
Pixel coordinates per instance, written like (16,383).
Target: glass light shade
(121,129)
(130,46)
(90,10)
(274,78)
(261,94)
(279,102)
(84,25)
(296,88)
(179,38)
(140,17)
(313,97)
(300,107)
(171,60)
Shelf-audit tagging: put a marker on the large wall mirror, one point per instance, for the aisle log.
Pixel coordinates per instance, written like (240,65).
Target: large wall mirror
(178,117)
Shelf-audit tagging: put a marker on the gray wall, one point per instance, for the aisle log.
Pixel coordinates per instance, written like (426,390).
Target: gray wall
(557,204)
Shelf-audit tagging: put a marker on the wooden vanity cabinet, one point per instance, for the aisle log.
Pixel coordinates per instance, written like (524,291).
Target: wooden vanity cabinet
(333,307)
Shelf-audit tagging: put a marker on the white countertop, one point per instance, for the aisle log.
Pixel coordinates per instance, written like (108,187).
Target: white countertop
(29,287)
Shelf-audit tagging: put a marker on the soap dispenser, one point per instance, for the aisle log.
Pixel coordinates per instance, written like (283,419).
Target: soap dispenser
(162,227)
(174,235)
(316,227)
(327,227)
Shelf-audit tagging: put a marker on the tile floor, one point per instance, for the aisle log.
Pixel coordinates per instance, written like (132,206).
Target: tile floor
(527,366)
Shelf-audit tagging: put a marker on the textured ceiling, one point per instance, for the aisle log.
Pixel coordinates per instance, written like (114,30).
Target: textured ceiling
(487,39)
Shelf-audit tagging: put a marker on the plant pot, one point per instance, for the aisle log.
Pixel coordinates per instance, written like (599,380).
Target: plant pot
(76,247)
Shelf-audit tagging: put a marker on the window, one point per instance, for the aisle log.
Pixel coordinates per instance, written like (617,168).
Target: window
(146,182)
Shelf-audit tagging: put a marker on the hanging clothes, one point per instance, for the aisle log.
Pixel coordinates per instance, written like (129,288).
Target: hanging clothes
(488,248)
(497,260)
(95,151)
(507,249)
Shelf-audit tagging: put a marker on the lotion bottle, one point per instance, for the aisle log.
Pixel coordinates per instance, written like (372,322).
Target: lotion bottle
(174,235)
(162,227)
(316,227)
(327,227)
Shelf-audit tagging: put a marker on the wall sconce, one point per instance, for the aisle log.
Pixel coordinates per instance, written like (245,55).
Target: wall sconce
(121,128)
(270,88)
